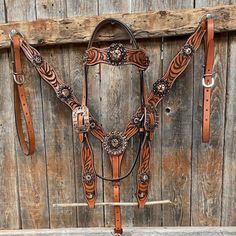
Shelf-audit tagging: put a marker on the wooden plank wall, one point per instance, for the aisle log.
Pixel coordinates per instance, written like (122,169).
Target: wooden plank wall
(200,178)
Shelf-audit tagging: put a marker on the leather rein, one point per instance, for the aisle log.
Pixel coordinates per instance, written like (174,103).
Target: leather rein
(143,122)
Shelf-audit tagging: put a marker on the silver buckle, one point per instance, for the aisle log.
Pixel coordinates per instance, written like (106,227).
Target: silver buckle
(17,81)
(14,32)
(81,110)
(208,85)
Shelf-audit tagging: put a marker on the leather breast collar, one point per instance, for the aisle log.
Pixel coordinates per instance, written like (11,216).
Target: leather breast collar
(143,122)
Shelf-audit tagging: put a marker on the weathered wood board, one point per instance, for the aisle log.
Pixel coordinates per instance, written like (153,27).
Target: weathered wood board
(32,174)
(207,159)
(150,215)
(145,25)
(9,200)
(131,231)
(199,178)
(176,139)
(58,129)
(85,217)
(229,179)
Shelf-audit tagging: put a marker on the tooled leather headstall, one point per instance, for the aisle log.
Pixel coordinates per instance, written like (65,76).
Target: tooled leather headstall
(143,122)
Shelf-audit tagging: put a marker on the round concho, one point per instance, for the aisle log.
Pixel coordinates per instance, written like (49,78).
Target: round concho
(116,54)
(37,60)
(161,88)
(151,111)
(115,143)
(187,50)
(89,177)
(64,93)
(144,177)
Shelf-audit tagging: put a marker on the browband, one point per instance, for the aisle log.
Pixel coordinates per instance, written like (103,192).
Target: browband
(143,122)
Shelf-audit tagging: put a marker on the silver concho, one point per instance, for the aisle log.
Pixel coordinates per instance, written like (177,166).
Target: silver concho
(116,54)
(90,195)
(89,177)
(187,50)
(144,177)
(37,60)
(64,93)
(161,87)
(115,143)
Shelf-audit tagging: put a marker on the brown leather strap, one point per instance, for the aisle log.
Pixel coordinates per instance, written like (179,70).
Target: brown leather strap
(117,54)
(208,80)
(115,160)
(88,173)
(20,101)
(144,174)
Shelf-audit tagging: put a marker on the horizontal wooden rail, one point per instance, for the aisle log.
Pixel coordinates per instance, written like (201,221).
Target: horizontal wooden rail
(144,25)
(112,204)
(130,231)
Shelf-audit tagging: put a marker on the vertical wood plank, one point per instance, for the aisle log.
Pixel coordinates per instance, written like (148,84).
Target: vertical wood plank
(116,109)
(175,130)
(150,215)
(8,178)
(229,172)
(229,187)
(86,217)
(177,134)
(207,161)
(58,128)
(31,170)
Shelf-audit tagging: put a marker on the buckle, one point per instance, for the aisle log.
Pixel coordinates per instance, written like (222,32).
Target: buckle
(83,110)
(208,85)
(14,32)
(206,16)
(22,80)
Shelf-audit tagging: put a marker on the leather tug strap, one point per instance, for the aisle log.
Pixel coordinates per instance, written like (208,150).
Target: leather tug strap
(208,80)
(20,102)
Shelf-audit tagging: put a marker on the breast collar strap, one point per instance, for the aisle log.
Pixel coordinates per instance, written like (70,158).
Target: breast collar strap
(143,122)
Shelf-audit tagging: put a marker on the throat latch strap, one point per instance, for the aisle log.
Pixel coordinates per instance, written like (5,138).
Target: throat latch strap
(208,80)
(20,100)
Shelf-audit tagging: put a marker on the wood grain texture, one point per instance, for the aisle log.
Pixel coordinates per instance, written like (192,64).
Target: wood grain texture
(177,136)
(115,112)
(130,231)
(150,215)
(207,159)
(9,208)
(229,188)
(145,25)
(178,170)
(58,129)
(33,198)
(86,217)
